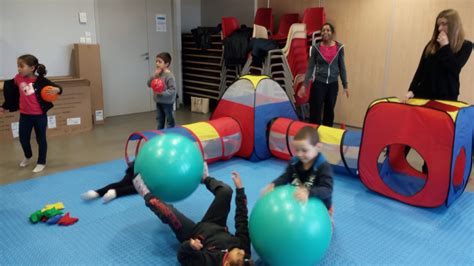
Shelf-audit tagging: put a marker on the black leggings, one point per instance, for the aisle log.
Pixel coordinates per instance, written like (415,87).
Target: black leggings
(123,187)
(26,125)
(323,97)
(181,225)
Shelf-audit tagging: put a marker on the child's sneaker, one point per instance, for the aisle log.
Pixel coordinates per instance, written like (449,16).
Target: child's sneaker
(91,194)
(110,195)
(39,168)
(25,162)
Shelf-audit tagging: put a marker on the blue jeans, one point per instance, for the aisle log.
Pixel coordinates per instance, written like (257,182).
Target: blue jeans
(164,112)
(39,123)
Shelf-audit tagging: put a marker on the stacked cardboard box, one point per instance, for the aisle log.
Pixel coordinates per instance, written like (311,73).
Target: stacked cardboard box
(71,112)
(87,64)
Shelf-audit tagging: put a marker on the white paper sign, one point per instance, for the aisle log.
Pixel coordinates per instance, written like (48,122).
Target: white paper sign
(15,129)
(52,121)
(73,121)
(99,115)
(160,22)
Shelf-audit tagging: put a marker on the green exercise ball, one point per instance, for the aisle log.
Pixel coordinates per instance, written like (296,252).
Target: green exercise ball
(285,231)
(171,166)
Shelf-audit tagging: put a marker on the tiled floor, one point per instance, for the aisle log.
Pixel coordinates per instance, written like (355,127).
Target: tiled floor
(104,143)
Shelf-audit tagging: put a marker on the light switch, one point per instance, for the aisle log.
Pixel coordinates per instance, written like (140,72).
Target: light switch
(82,40)
(87,33)
(83,17)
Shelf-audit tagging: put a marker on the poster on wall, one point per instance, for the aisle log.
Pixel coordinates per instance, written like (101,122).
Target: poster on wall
(160,22)
(15,129)
(51,121)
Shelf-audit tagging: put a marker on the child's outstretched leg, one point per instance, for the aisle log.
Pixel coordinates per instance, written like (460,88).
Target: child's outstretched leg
(181,225)
(122,188)
(110,192)
(120,191)
(219,209)
(101,192)
(114,190)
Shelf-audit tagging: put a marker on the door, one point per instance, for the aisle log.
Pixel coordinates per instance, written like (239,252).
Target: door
(160,39)
(123,37)
(130,40)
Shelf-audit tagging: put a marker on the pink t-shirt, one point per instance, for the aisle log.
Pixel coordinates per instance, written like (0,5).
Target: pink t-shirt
(329,52)
(29,104)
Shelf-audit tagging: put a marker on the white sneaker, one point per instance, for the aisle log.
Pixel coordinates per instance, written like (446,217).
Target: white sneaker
(110,195)
(39,168)
(25,162)
(91,194)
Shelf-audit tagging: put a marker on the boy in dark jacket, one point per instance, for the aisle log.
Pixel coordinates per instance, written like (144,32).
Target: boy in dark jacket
(309,170)
(207,242)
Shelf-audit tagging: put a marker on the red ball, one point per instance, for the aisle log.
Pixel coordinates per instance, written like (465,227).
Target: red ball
(157,85)
(48,97)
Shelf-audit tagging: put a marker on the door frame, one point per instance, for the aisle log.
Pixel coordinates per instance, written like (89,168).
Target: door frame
(176,41)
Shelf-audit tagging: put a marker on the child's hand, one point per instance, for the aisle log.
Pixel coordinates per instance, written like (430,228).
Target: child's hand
(237,180)
(140,186)
(408,96)
(205,173)
(158,72)
(302,194)
(55,90)
(2,111)
(267,189)
(302,92)
(195,244)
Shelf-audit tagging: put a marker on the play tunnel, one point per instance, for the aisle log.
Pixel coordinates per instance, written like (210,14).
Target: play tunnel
(340,147)
(218,139)
(441,134)
(255,119)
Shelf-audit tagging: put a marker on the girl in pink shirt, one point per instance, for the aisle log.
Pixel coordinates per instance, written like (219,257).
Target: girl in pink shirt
(23,93)
(325,67)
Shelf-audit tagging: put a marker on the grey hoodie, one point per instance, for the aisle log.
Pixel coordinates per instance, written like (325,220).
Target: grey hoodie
(169,94)
(326,72)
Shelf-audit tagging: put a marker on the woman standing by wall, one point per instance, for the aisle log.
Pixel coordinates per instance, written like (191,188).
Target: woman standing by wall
(437,76)
(326,64)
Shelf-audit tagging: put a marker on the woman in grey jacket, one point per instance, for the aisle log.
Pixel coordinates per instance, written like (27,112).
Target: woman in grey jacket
(325,65)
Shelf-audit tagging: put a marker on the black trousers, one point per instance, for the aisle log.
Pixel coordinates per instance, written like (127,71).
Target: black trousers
(26,125)
(122,188)
(323,97)
(181,225)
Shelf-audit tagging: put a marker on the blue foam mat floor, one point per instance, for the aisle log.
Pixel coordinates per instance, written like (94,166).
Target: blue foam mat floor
(369,228)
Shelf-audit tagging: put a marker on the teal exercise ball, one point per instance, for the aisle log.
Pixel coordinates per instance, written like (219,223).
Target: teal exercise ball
(171,166)
(285,231)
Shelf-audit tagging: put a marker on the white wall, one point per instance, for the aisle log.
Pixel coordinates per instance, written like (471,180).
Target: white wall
(2,42)
(46,29)
(213,10)
(190,14)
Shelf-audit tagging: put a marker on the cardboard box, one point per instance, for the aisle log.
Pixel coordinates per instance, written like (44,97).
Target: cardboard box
(199,105)
(87,64)
(71,112)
